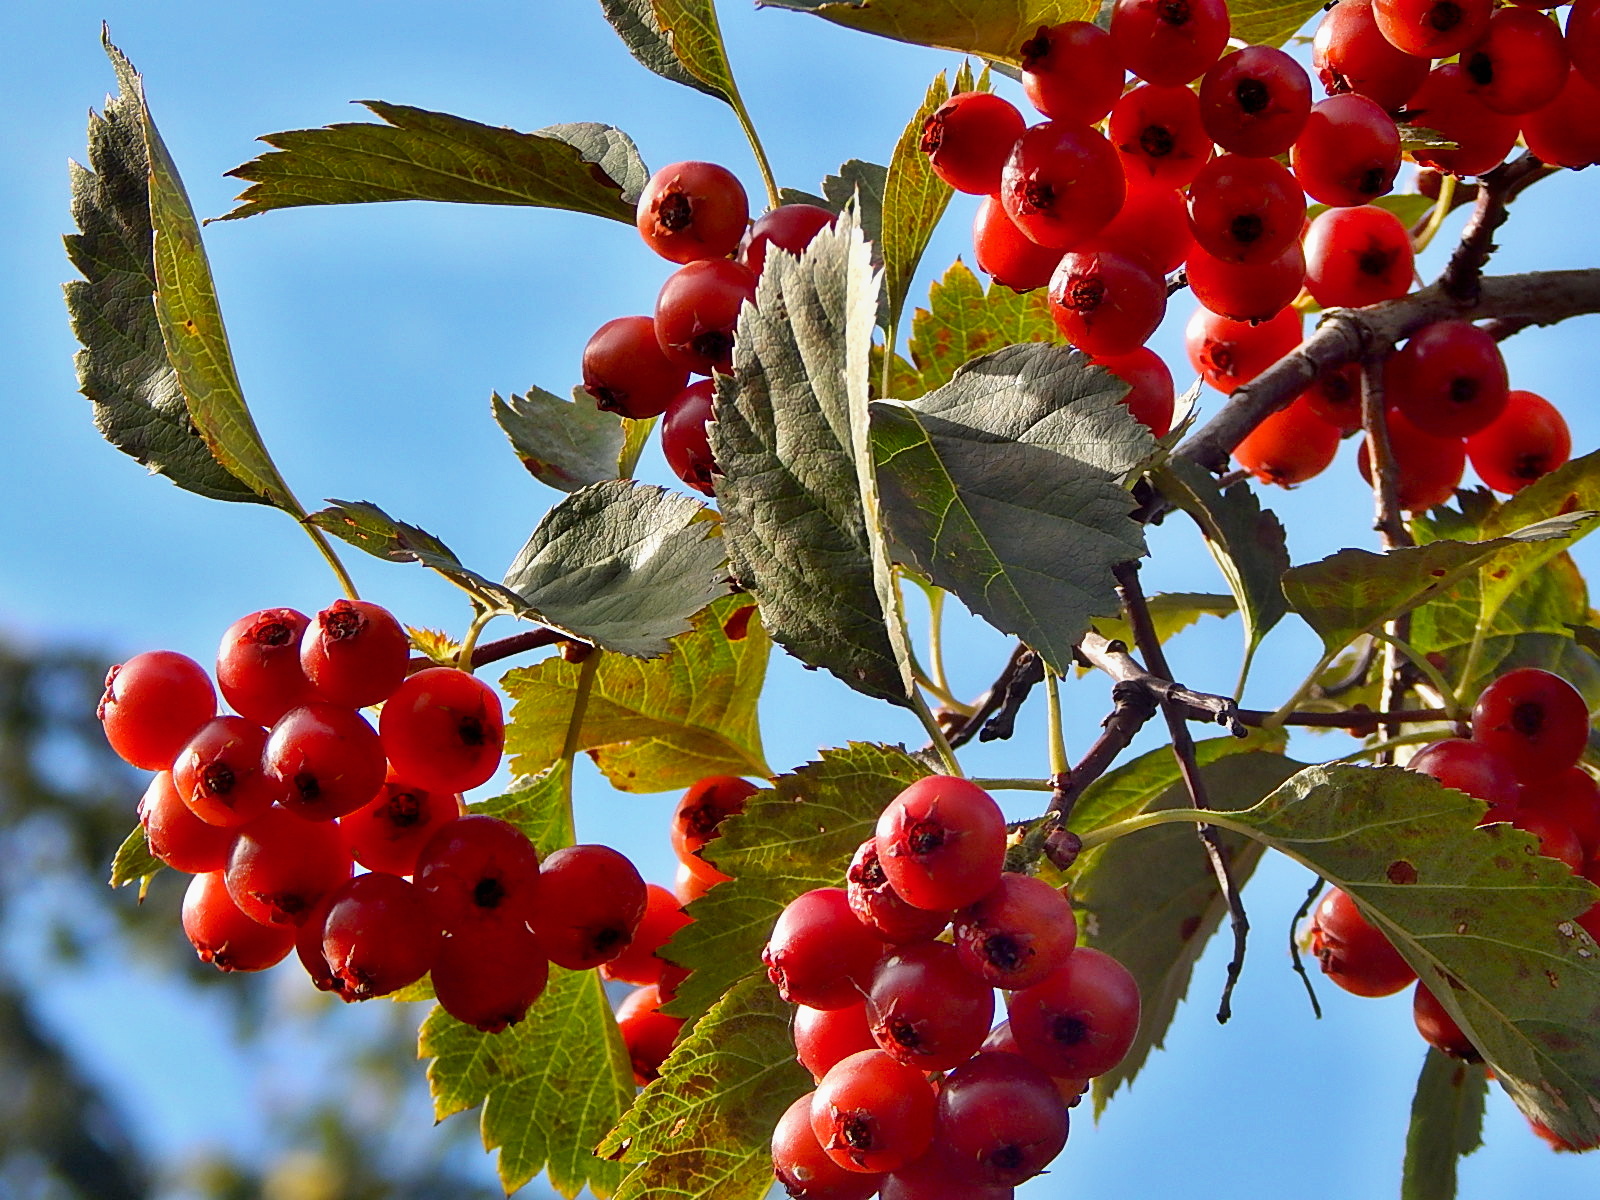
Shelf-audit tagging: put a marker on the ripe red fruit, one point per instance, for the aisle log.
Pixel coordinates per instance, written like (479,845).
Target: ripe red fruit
(880,908)
(1245,210)
(942,843)
(355,653)
(1350,54)
(1571,798)
(1159,136)
(1527,441)
(819,954)
(1152,229)
(1357,256)
(938,1175)
(626,371)
(967,140)
(1007,254)
(153,704)
(388,832)
(1438,1028)
(1229,353)
(1017,934)
(804,1168)
(220,773)
(699,813)
(281,866)
(1169,41)
(443,728)
(1070,72)
(1520,62)
(1289,447)
(1536,720)
(1353,952)
(378,936)
(308,947)
(224,936)
(1062,184)
(1348,152)
(1470,767)
(648,1034)
(1104,303)
(696,312)
(590,902)
(175,835)
(1081,1019)
(1432,28)
(488,974)
(1566,131)
(1445,103)
(1449,378)
(1002,1119)
(926,1009)
(258,665)
(788,227)
(1246,291)
(686,437)
(1255,101)
(1583,39)
(640,963)
(871,1113)
(1151,396)
(824,1036)
(326,760)
(1335,396)
(1427,467)
(691,211)
(479,870)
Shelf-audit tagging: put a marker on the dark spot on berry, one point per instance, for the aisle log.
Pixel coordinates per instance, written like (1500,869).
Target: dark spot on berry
(1253,95)
(904,1033)
(1463,389)
(403,810)
(1036,48)
(713,344)
(701,820)
(925,837)
(1037,196)
(607,399)
(854,1129)
(1374,181)
(1481,67)
(342,621)
(488,892)
(1006,953)
(218,779)
(1157,141)
(603,941)
(674,212)
(1401,872)
(1445,16)
(1527,719)
(1007,1158)
(269,631)
(1084,295)
(1529,467)
(1246,228)
(933,133)
(1375,261)
(1068,1030)
(471,731)
(308,786)
(1174,12)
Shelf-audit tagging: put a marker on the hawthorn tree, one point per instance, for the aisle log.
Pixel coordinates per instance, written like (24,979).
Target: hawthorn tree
(860,453)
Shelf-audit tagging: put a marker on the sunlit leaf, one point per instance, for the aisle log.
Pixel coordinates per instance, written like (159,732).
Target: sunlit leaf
(1171,613)
(1270,22)
(636,24)
(1446,1125)
(695,38)
(134,863)
(564,443)
(980,27)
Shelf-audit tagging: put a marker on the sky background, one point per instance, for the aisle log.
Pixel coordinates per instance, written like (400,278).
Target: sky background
(369,341)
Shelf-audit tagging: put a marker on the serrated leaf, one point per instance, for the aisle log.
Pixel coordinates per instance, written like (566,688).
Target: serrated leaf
(539,805)
(1446,1125)
(963,320)
(421,155)
(863,184)
(1486,921)
(796,529)
(914,198)
(703,1131)
(438,645)
(1171,613)
(134,863)
(652,725)
(124,369)
(798,836)
(1570,492)
(695,38)
(1414,137)
(564,443)
(1153,902)
(636,24)
(981,27)
(622,565)
(1246,540)
(635,437)
(1355,591)
(1270,22)
(1004,487)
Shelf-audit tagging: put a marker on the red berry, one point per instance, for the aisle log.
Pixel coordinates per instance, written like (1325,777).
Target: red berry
(591,900)
(1070,72)
(388,832)
(488,974)
(967,140)
(1353,952)
(1449,378)
(479,870)
(1017,934)
(1159,136)
(804,1168)
(626,371)
(1566,131)
(1335,396)
(698,815)
(1583,39)
(1520,62)
(1006,253)
(1446,104)
(1169,41)
(1081,1019)
(1349,151)
(1427,467)
(1350,54)
(691,211)
(1438,1028)
(686,437)
(640,962)
(1151,396)
(1357,256)
(696,312)
(153,704)
(1152,228)
(1432,28)
(823,1036)
(926,1009)
(648,1034)
(942,843)
(1062,184)
(308,947)
(326,759)
(378,936)
(871,1113)
(281,866)
(1246,291)
(880,908)
(819,954)
(258,665)
(224,936)
(1470,767)
(1536,720)
(788,227)
(1245,210)
(1527,441)
(220,773)
(1573,799)
(1255,101)
(1291,446)
(175,835)
(1104,303)
(1229,353)
(443,728)
(355,653)
(1002,1118)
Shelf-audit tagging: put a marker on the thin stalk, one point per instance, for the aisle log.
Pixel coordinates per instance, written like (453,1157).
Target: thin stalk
(480,620)
(1059,767)
(1441,210)
(765,167)
(935,597)
(1447,696)
(347,584)
(945,697)
(1383,747)
(1306,684)
(1013,785)
(941,744)
(580,705)
(1163,816)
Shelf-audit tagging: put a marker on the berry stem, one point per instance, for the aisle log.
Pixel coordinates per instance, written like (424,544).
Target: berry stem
(1436,215)
(480,619)
(936,735)
(346,584)
(1294,942)
(774,200)
(1059,767)
(1447,697)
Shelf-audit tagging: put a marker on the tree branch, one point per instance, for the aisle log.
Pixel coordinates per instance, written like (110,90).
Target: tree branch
(994,713)
(1495,191)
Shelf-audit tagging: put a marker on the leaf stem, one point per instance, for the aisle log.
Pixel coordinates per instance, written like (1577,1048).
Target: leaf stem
(1447,696)
(936,735)
(1441,209)
(1162,816)
(1383,747)
(469,644)
(762,163)
(1013,785)
(580,705)
(1278,718)
(935,596)
(1059,767)
(326,547)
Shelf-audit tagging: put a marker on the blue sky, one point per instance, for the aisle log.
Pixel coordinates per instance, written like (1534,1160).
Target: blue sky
(369,340)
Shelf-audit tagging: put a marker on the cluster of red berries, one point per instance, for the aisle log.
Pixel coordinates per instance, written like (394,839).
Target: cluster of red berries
(272,809)
(1529,729)
(695,214)
(1117,188)
(917,1097)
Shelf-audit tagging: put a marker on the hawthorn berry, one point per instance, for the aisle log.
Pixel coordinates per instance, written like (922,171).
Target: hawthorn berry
(1151,396)
(1566,131)
(1104,303)
(1432,28)
(941,842)
(355,653)
(1427,466)
(1017,934)
(686,437)
(1447,104)
(378,936)
(1255,101)
(258,665)
(1357,256)
(788,227)
(1520,62)
(1350,54)
(880,908)
(871,1113)
(1229,353)
(968,138)
(1534,719)
(627,372)
(819,954)
(1335,396)
(700,811)
(153,704)
(1062,184)
(224,935)
(805,1169)
(1169,41)
(1527,441)
(325,759)
(640,961)
(691,211)
(1348,152)
(1449,379)
(1246,291)
(1081,1018)
(443,728)
(1353,952)
(590,902)
(489,973)
(282,865)
(1471,767)
(220,774)
(1438,1028)
(1007,254)
(926,1009)
(388,832)
(823,1036)
(1159,136)
(1151,228)
(648,1034)
(1291,446)
(1245,210)
(479,870)
(175,835)
(1070,72)
(696,311)
(1001,1118)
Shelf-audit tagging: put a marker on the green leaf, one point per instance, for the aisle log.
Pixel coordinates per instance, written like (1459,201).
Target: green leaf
(1571,493)
(793,517)
(963,321)
(1486,921)
(1354,591)
(124,369)
(564,443)
(979,27)
(1446,1124)
(1153,902)
(636,24)
(1004,487)
(914,198)
(1270,22)
(622,565)
(1246,540)
(1171,613)
(695,38)
(635,437)
(134,863)
(539,805)
(422,155)
(652,725)
(864,184)
(1410,207)
(703,1131)
(798,836)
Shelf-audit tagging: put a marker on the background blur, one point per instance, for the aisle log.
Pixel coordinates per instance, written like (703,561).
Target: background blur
(369,340)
